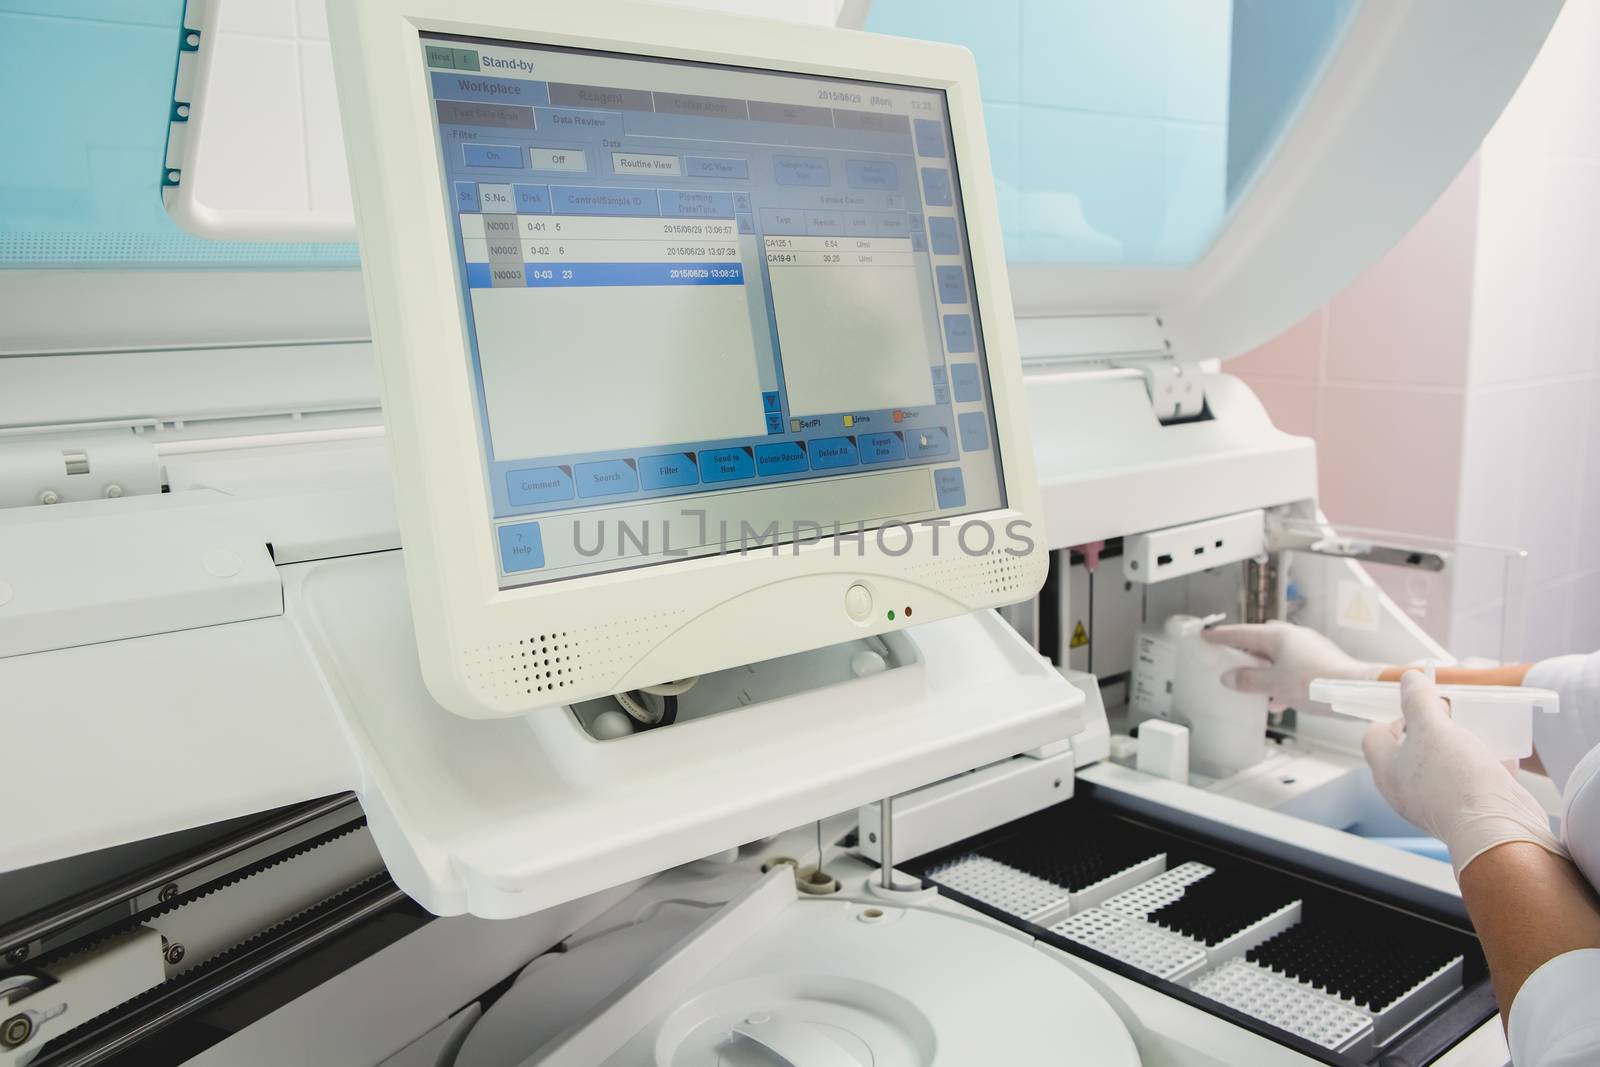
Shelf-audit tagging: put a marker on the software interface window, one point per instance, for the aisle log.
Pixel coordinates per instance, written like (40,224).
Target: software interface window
(694,287)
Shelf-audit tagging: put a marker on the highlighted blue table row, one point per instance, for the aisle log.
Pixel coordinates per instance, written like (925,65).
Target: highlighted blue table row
(541,275)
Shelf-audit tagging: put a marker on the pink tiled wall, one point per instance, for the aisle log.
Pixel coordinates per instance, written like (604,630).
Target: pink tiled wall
(1450,388)
(1378,377)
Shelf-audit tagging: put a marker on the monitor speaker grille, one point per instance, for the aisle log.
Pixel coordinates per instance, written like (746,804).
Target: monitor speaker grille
(974,579)
(545,663)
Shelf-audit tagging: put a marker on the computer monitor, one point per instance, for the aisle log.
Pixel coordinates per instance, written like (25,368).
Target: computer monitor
(694,335)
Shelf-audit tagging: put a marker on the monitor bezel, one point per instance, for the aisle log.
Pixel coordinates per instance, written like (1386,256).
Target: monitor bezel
(694,615)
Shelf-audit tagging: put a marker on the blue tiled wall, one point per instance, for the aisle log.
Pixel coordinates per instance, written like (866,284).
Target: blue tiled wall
(1109,122)
(85,95)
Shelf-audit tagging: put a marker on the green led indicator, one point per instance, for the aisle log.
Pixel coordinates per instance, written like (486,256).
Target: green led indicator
(891,615)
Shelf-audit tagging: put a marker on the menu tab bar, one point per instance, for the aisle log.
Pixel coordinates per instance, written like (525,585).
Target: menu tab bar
(687,89)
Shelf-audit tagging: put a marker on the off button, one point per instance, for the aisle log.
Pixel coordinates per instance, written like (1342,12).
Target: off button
(858,602)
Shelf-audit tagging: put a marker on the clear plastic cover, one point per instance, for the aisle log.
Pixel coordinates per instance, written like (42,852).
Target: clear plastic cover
(1469,598)
(1500,715)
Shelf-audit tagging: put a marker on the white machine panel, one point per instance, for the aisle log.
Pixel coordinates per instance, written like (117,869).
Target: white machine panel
(1196,546)
(505,817)
(106,570)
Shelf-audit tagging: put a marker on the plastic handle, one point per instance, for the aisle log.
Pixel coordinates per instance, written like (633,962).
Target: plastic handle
(796,1044)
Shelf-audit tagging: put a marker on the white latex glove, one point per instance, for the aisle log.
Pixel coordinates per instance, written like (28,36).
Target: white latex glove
(1445,780)
(1291,658)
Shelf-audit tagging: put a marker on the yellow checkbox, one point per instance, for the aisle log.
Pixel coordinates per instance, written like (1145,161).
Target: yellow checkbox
(849,420)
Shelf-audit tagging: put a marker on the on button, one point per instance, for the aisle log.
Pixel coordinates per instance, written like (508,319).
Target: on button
(858,602)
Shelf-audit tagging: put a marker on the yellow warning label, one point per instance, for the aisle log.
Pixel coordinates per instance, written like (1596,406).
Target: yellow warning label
(1080,635)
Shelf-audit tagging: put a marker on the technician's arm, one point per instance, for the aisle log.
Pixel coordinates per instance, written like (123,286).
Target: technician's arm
(1292,656)
(1531,906)
(1537,918)
(1505,674)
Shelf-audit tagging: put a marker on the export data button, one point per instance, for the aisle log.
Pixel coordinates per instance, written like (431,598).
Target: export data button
(882,448)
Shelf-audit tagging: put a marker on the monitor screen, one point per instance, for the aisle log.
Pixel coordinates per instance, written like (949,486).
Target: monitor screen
(709,309)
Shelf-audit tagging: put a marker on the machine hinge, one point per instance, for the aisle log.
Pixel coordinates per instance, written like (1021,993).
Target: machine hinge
(1176,391)
(59,466)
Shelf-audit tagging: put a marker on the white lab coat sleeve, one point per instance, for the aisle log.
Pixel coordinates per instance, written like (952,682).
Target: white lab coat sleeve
(1561,740)
(1553,1021)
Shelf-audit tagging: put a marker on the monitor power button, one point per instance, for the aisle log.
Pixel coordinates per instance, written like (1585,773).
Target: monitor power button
(858,602)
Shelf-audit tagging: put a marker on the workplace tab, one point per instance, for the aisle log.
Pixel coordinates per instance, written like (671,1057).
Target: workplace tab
(494,90)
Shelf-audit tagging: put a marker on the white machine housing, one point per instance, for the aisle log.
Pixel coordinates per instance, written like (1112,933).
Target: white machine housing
(701,614)
(208,686)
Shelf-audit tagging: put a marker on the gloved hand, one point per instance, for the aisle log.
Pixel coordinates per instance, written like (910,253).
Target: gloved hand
(1292,656)
(1441,777)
